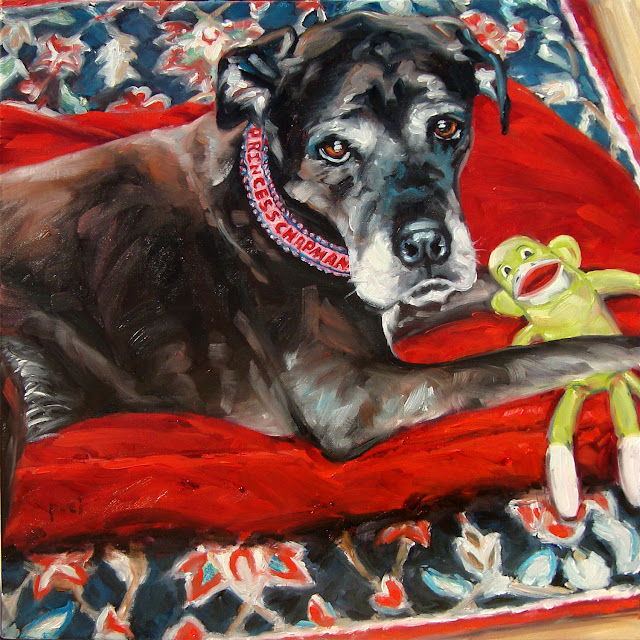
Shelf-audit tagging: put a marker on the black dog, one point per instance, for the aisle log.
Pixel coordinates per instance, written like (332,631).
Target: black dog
(140,275)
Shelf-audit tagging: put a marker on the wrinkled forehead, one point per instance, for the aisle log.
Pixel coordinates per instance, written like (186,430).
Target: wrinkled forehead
(379,87)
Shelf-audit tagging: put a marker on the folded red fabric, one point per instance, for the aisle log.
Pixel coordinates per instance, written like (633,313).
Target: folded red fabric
(28,136)
(133,473)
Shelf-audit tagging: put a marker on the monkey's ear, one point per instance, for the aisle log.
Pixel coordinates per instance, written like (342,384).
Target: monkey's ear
(567,249)
(247,77)
(503,304)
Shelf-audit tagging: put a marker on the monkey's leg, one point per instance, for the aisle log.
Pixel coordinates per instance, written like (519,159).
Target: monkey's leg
(633,381)
(561,466)
(625,421)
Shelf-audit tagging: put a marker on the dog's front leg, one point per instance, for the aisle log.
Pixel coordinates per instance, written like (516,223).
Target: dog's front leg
(347,404)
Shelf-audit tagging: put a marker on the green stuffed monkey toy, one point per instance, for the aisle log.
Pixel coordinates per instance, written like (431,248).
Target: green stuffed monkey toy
(544,284)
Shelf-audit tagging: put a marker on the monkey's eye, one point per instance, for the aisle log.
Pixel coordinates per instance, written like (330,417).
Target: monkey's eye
(505,271)
(526,253)
(334,150)
(446,129)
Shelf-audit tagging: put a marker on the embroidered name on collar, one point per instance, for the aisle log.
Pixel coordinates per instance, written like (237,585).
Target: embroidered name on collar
(275,218)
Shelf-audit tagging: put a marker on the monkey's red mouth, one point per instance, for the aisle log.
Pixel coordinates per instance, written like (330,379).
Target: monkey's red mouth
(537,279)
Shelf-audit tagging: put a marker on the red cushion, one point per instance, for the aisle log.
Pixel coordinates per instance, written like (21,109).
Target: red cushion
(28,136)
(125,474)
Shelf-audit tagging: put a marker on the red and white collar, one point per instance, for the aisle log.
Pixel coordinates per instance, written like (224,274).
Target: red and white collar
(277,221)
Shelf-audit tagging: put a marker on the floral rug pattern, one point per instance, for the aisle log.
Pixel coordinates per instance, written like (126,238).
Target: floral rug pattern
(82,56)
(491,556)
(118,56)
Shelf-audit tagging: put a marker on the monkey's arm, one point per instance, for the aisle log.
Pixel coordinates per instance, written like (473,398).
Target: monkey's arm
(615,282)
(527,335)
(505,305)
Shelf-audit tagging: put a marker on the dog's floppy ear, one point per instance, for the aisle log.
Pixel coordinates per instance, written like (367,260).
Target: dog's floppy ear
(475,50)
(453,33)
(248,75)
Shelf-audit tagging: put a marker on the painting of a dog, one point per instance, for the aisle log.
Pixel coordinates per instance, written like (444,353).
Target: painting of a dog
(260,263)
(137,275)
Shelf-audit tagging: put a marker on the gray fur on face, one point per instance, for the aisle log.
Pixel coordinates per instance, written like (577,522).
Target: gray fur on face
(390,168)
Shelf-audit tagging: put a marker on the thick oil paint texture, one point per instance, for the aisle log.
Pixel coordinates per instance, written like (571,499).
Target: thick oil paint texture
(545,285)
(258,369)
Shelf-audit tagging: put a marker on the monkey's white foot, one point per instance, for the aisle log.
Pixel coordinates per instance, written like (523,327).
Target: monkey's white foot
(563,480)
(629,468)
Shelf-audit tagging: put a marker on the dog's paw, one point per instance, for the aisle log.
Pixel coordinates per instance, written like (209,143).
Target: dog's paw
(562,480)
(629,468)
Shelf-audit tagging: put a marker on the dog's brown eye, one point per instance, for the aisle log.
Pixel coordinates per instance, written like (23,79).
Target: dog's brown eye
(447,129)
(336,151)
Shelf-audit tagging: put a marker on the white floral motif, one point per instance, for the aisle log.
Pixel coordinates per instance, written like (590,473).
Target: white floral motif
(586,570)
(14,34)
(115,59)
(481,556)
(620,536)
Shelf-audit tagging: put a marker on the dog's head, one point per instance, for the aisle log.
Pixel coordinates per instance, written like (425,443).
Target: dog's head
(368,123)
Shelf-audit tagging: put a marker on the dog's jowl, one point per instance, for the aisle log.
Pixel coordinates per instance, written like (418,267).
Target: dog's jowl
(259,263)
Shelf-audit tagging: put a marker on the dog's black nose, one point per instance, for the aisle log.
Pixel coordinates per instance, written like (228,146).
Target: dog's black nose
(423,243)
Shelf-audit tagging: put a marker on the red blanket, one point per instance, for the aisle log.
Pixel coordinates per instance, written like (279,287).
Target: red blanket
(133,473)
